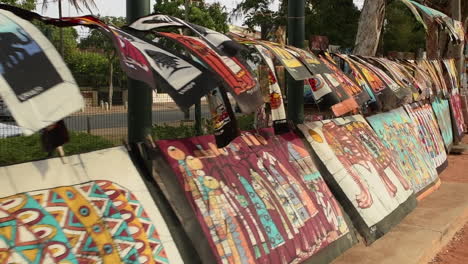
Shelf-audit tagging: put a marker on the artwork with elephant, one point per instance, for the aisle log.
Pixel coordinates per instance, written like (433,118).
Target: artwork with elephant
(362,173)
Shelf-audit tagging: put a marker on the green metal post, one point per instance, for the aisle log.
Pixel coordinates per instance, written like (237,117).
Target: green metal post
(296,32)
(140,95)
(198,119)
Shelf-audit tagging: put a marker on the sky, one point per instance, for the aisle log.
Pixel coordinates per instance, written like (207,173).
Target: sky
(118,7)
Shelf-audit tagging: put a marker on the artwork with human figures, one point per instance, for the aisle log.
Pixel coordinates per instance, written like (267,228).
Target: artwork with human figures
(457,114)
(363,168)
(397,132)
(93,222)
(261,199)
(429,133)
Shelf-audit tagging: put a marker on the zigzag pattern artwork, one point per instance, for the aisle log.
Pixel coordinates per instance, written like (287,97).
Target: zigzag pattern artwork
(94,222)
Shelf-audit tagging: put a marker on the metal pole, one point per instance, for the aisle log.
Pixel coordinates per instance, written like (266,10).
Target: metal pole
(198,119)
(140,96)
(62,51)
(296,32)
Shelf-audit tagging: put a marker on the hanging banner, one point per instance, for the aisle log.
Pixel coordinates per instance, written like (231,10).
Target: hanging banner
(296,69)
(360,79)
(183,79)
(360,96)
(363,172)
(35,83)
(217,40)
(397,132)
(402,94)
(238,79)
(278,111)
(222,117)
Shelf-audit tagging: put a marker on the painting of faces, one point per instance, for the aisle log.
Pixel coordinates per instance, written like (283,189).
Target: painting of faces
(397,132)
(261,199)
(362,167)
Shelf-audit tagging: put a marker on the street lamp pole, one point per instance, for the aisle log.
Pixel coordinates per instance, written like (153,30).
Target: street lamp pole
(296,33)
(140,95)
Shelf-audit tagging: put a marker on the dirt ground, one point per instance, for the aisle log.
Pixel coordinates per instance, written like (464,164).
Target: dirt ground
(456,252)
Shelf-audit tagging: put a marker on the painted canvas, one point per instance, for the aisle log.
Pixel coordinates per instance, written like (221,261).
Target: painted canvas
(429,133)
(259,200)
(397,132)
(441,109)
(81,212)
(457,114)
(362,170)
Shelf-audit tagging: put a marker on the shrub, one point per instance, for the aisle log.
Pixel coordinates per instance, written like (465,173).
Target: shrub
(23,149)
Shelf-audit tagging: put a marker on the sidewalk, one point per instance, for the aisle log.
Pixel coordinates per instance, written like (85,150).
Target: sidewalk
(425,231)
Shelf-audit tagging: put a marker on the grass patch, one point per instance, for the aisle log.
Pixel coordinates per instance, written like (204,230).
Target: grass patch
(182,130)
(23,149)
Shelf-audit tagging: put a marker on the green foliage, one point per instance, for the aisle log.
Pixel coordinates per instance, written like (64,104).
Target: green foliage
(212,16)
(23,149)
(402,32)
(259,14)
(97,41)
(182,130)
(336,19)
(165,131)
(101,51)
(25,4)
(88,68)
(70,36)
(245,122)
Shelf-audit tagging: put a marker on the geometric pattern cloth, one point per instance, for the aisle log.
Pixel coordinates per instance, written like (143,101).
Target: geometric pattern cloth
(94,222)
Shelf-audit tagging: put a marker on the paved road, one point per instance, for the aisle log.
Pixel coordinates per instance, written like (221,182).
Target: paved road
(116,120)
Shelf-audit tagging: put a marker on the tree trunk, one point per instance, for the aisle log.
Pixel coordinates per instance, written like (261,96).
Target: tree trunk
(456,50)
(111,83)
(370,27)
(432,41)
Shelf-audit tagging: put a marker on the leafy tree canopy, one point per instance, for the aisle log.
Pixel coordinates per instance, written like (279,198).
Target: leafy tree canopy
(97,41)
(25,4)
(336,19)
(212,16)
(402,32)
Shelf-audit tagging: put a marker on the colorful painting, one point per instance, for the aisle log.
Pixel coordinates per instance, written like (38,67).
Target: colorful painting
(429,133)
(363,168)
(95,222)
(457,114)
(62,211)
(397,132)
(441,109)
(259,200)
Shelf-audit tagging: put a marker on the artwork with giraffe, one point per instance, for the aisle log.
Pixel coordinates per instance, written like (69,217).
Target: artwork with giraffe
(261,199)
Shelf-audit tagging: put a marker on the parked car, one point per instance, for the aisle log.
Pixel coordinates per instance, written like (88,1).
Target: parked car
(7,130)
(5,114)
